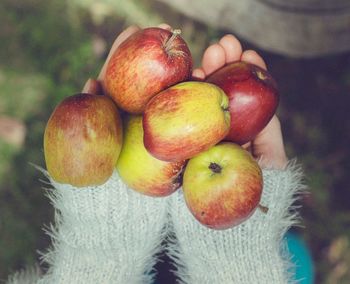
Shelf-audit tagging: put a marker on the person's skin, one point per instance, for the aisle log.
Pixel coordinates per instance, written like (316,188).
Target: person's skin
(268,145)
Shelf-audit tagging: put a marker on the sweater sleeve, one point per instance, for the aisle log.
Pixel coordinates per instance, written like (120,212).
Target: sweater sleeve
(251,252)
(102,234)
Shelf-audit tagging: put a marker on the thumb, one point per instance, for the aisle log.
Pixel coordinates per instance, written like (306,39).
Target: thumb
(122,37)
(268,146)
(93,87)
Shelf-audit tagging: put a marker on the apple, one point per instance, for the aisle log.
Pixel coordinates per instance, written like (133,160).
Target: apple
(222,186)
(146,63)
(253,98)
(184,120)
(140,170)
(82,140)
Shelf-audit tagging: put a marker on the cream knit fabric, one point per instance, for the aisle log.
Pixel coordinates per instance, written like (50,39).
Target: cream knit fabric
(104,234)
(110,234)
(251,252)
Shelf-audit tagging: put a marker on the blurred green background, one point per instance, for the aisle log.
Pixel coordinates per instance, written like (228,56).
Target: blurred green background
(49,48)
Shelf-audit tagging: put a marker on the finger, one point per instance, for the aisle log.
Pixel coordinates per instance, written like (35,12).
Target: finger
(93,87)
(247,145)
(165,26)
(198,74)
(232,47)
(213,58)
(269,147)
(253,57)
(123,36)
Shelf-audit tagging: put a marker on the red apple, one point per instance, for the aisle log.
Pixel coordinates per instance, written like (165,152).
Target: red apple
(82,140)
(222,186)
(253,98)
(184,120)
(146,63)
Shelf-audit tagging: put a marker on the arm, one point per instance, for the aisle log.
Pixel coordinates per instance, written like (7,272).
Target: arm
(252,252)
(101,234)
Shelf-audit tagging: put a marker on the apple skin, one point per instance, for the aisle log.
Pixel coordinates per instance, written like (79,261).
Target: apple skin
(253,98)
(146,63)
(184,120)
(140,170)
(225,198)
(82,140)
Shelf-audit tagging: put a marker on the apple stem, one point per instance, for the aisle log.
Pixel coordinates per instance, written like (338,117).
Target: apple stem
(215,168)
(260,75)
(168,43)
(263,208)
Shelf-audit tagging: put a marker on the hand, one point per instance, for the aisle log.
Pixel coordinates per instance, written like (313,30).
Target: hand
(107,233)
(268,145)
(251,251)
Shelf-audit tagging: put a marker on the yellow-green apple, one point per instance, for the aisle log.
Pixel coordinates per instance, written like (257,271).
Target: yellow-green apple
(253,98)
(140,170)
(147,62)
(184,120)
(82,140)
(222,186)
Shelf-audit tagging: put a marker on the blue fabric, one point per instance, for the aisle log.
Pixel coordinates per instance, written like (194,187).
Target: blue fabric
(301,257)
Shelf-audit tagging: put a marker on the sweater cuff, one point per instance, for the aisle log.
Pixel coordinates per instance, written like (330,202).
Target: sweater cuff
(251,252)
(104,234)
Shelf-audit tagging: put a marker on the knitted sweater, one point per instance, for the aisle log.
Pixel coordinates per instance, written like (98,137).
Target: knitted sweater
(111,234)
